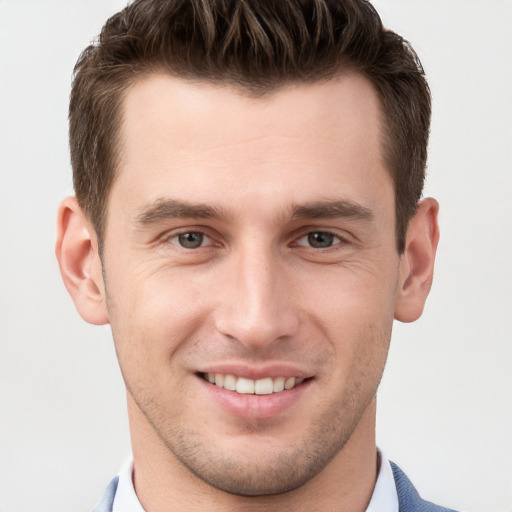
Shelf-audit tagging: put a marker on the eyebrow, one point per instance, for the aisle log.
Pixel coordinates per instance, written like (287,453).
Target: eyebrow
(163,209)
(332,210)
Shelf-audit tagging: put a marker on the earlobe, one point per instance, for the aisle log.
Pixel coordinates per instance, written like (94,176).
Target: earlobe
(417,262)
(80,265)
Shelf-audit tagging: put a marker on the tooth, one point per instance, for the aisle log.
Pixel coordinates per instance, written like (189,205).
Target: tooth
(278,384)
(245,386)
(290,382)
(230,382)
(264,386)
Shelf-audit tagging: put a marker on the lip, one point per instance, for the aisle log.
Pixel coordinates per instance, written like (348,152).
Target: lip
(254,407)
(273,371)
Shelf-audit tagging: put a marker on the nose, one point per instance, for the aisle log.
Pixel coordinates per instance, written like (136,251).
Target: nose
(255,302)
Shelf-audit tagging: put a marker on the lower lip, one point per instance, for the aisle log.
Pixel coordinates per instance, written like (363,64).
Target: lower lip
(255,407)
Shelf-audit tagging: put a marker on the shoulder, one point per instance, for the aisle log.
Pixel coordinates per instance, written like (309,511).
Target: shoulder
(408,497)
(107,500)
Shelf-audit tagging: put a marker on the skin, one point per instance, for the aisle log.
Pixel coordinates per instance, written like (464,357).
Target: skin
(258,179)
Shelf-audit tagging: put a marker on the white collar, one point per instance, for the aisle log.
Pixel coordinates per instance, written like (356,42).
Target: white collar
(384,497)
(125,499)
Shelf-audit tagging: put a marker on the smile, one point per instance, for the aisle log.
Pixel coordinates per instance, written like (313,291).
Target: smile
(266,386)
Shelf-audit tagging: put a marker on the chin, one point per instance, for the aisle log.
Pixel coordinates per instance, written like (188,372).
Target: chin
(264,480)
(262,469)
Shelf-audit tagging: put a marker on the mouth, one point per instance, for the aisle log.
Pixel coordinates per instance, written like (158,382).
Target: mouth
(245,386)
(254,394)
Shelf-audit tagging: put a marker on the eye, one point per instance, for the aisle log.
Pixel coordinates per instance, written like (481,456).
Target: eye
(191,240)
(319,240)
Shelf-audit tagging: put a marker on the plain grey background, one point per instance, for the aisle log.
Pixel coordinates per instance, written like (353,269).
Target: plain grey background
(445,405)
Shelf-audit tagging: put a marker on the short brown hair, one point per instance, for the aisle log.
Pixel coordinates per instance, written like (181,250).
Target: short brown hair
(255,46)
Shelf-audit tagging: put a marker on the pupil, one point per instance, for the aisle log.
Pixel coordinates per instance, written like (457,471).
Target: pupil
(191,240)
(320,240)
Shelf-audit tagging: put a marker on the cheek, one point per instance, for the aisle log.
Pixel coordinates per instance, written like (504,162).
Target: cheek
(153,295)
(153,316)
(354,312)
(350,296)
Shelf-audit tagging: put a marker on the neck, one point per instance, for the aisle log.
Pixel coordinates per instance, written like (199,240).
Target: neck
(164,484)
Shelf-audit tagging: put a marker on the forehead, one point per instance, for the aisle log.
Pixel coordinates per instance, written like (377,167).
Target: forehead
(294,109)
(179,136)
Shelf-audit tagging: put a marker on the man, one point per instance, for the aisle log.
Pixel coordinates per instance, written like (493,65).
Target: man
(248,219)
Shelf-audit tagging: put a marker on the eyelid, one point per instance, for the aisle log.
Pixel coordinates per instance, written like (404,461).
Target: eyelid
(205,241)
(215,239)
(343,238)
(170,236)
(306,235)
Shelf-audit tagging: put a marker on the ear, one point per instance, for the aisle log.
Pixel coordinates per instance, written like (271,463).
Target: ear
(417,262)
(80,265)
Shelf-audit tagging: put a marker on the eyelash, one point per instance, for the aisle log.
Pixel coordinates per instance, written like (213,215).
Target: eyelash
(174,239)
(331,237)
(334,239)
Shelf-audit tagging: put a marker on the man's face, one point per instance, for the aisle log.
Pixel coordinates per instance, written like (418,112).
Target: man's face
(252,241)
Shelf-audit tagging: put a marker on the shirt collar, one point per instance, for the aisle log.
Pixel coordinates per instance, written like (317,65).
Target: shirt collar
(125,499)
(384,497)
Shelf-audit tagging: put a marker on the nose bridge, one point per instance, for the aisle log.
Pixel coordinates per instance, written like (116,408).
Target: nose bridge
(256,308)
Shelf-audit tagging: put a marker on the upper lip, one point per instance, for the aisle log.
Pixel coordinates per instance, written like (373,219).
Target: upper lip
(257,372)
